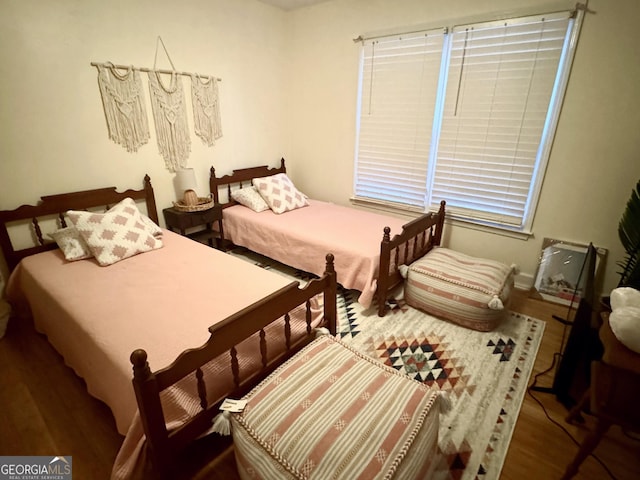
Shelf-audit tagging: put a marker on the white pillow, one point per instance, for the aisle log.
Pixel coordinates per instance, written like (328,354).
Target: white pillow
(249,197)
(624,297)
(115,235)
(625,316)
(625,325)
(280,193)
(150,225)
(71,243)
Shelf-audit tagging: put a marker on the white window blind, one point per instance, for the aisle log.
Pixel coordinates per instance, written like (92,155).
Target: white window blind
(466,116)
(500,85)
(399,85)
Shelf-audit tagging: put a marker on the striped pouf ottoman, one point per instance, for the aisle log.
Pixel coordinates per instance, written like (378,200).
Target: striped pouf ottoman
(331,412)
(470,291)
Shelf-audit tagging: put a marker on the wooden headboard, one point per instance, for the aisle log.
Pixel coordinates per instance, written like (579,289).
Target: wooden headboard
(239,177)
(57,206)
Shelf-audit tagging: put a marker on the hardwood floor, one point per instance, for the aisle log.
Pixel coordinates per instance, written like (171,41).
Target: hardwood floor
(540,448)
(45,410)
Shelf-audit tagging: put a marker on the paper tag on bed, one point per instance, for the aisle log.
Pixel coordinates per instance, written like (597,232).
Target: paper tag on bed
(234,406)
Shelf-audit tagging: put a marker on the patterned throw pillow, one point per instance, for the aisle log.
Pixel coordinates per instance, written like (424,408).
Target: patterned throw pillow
(71,243)
(280,193)
(118,234)
(249,197)
(149,224)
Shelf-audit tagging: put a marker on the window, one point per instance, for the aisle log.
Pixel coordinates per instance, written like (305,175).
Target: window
(465,115)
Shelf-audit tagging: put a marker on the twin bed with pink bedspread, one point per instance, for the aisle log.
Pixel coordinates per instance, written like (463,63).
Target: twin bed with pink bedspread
(201,315)
(368,247)
(169,303)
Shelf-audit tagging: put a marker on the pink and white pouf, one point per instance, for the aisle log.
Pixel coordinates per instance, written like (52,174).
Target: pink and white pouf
(470,291)
(331,412)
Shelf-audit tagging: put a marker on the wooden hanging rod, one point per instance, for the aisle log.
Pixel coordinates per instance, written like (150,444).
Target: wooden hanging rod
(145,69)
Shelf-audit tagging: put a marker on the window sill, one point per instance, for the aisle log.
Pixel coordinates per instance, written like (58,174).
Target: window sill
(451,219)
(390,208)
(489,228)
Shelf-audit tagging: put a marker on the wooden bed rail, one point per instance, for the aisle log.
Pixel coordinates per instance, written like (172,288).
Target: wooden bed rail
(417,238)
(164,447)
(57,205)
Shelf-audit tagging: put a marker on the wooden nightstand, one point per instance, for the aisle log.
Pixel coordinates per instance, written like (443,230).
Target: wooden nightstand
(180,221)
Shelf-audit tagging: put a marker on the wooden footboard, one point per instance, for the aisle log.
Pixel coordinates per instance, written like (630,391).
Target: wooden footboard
(164,447)
(417,238)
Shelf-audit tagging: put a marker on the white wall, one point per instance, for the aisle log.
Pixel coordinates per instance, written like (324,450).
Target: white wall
(595,161)
(54,135)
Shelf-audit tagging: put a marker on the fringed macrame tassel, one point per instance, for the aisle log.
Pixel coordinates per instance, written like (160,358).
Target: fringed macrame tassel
(206,108)
(124,107)
(495,303)
(169,114)
(321,332)
(222,423)
(404,271)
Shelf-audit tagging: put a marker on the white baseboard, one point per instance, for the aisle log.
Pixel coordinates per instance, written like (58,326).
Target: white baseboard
(524,281)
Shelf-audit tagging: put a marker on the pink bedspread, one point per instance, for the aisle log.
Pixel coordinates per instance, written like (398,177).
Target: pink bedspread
(301,238)
(162,301)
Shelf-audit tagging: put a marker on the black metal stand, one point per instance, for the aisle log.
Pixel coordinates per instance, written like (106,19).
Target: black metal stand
(572,375)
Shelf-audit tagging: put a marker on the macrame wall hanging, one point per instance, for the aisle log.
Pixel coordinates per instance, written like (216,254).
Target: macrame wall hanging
(127,117)
(123,106)
(170,116)
(206,108)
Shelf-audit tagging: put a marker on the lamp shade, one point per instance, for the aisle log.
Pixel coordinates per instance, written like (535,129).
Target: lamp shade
(185,180)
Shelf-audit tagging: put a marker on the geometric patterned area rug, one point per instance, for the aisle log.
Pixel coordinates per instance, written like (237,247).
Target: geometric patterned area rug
(485,374)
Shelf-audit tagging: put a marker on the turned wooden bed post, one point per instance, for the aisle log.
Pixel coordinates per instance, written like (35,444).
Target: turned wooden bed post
(383,272)
(148,396)
(213,187)
(440,225)
(152,211)
(7,248)
(330,295)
